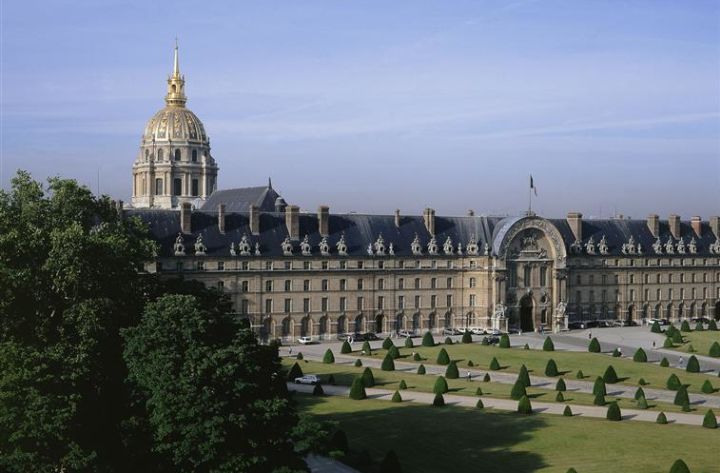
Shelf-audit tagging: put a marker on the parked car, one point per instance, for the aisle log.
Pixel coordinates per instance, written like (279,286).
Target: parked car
(490,340)
(575,325)
(307,379)
(305,340)
(406,333)
(369,336)
(477,331)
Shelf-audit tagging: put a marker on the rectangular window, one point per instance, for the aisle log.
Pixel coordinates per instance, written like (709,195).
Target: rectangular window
(221,265)
(433,283)
(472,300)
(269,265)
(343,304)
(307,265)
(401,283)
(245,265)
(244,286)
(268,306)
(360,303)
(433,301)
(417,283)
(324,304)
(448,300)
(401,302)
(670,294)
(324,285)
(381,284)
(343,264)
(417,302)
(288,265)
(473,264)
(288,305)
(306,305)
(401,264)
(527,276)
(543,276)
(244,306)
(381,264)
(473,282)
(306,285)
(195,188)
(360,265)
(177,186)
(343,284)
(268,286)
(659,295)
(324,265)
(381,302)
(288,285)
(449,284)
(632,294)
(159,188)
(360,285)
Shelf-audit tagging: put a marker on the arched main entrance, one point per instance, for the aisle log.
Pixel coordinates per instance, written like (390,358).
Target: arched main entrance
(526,314)
(379,319)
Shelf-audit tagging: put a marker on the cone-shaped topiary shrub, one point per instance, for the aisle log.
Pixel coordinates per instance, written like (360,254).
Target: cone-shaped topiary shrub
(699,327)
(300,356)
(551,368)
(486,378)
(560,385)
(331,380)
(470,364)
(467,337)
(668,343)
(318,390)
(639,393)
(524,406)
(664,362)
(679,467)
(559,397)
(712,325)
(685,326)
(409,342)
(613,412)
(494,365)
(610,375)
(388,364)
(403,384)
(526,347)
(329,358)
(599,400)
(655,328)
(594,346)
(599,386)
(452,371)
(440,386)
(707,387)
(479,392)
(416,356)
(366,348)
(681,397)
(448,341)
(691,349)
(357,390)
(523,374)
(358,363)
(443,358)
(580,375)
(642,403)
(479,404)
(439,400)
(421,369)
(427,340)
(567,412)
(518,390)
(390,463)
(616,353)
(677,338)
(345,347)
(394,352)
(387,343)
(548,345)
(642,382)
(640,356)
(661,419)
(504,341)
(396,397)
(671,330)
(714,350)
(295,372)
(673,382)
(693,366)
(571,470)
(685,407)
(367,378)
(709,421)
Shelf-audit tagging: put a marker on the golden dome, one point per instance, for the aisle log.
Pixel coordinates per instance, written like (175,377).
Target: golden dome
(174,123)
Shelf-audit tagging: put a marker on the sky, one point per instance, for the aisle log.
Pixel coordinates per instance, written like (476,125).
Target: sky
(368,106)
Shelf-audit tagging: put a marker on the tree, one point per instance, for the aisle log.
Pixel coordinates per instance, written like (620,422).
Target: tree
(640,356)
(494,365)
(329,358)
(714,350)
(443,358)
(466,337)
(318,390)
(421,369)
(685,326)
(479,391)
(594,346)
(504,341)
(599,386)
(439,400)
(448,341)
(390,464)
(580,375)
(707,387)
(655,328)
(367,348)
(479,404)
(523,375)
(367,377)
(693,366)
(613,412)
(387,343)
(639,393)
(642,382)
(616,353)
(664,362)
(394,352)
(470,363)
(402,385)
(567,412)
(673,382)
(409,342)
(357,389)
(560,385)
(346,348)
(388,364)
(699,327)
(681,397)
(486,378)
(295,372)
(551,368)
(427,340)
(559,397)
(213,399)
(518,390)
(416,357)
(548,345)
(610,376)
(396,397)
(440,386)
(452,371)
(678,338)
(661,419)
(712,325)
(709,421)
(524,406)
(668,343)
(679,467)
(358,363)
(299,356)
(642,403)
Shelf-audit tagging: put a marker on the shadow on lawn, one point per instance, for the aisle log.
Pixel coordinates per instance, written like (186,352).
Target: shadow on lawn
(428,439)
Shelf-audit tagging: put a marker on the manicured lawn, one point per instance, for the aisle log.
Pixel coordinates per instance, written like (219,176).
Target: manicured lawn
(344,374)
(432,440)
(591,364)
(700,341)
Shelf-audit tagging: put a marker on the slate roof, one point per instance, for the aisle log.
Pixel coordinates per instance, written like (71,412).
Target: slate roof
(240,199)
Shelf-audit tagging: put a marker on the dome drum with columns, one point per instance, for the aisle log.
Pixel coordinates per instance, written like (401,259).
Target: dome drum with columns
(174,164)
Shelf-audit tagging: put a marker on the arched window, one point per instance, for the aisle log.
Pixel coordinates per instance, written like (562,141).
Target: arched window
(160,155)
(177,155)
(194,156)
(159,190)
(174,88)
(177,186)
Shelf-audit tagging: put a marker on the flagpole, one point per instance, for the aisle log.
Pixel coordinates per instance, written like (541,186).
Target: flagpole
(530,196)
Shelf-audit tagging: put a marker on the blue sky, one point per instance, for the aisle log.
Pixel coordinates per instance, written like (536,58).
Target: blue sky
(368,106)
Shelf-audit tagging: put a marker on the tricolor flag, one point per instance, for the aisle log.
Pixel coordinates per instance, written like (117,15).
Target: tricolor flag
(532,185)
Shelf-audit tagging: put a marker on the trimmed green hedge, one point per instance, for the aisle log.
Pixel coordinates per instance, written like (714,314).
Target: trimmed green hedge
(693,366)
(559,397)
(707,387)
(367,348)
(548,345)
(560,385)
(681,397)
(639,393)
(673,382)
(494,365)
(367,378)
(443,358)
(518,390)
(679,467)
(685,326)
(358,363)
(664,362)
(409,343)
(396,397)
(439,401)
(640,356)
(714,350)
(467,337)
(709,421)
(329,358)
(448,341)
(346,348)
(427,340)
(551,368)
(712,325)
(524,375)
(661,419)
(357,390)
(599,400)
(504,341)
(387,343)
(599,386)
(452,371)
(394,352)
(421,369)
(613,412)
(440,386)
(524,406)
(610,375)
(388,364)
(567,412)
(295,372)
(594,346)
(318,390)
(642,403)
(668,343)
(479,404)
(655,328)
(403,384)
(580,375)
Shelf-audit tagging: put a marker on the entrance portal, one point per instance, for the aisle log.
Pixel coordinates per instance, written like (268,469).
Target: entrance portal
(526,314)
(379,323)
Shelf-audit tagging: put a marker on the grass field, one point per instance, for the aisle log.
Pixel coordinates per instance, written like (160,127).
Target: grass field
(390,380)
(433,440)
(700,341)
(591,364)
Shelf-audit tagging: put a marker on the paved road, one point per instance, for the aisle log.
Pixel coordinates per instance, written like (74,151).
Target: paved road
(318,464)
(508,405)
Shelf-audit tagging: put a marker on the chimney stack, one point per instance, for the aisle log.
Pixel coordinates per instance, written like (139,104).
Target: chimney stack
(397,218)
(715,225)
(324,220)
(674,224)
(653,223)
(429,218)
(574,219)
(221,218)
(292,221)
(696,224)
(254,220)
(185,217)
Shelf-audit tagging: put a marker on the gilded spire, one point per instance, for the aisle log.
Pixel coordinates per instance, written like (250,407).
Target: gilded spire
(176,64)
(176,84)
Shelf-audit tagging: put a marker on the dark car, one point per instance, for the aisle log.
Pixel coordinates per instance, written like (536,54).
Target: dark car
(367,337)
(490,340)
(575,325)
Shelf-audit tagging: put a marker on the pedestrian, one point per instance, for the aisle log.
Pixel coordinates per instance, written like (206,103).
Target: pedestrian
(520,331)
(469,376)
(680,362)
(290,351)
(620,351)
(653,344)
(589,335)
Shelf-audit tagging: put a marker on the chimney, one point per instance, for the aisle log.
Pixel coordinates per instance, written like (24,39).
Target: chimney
(471,213)
(221,218)
(574,219)
(254,220)
(674,224)
(397,218)
(696,224)
(185,217)
(429,218)
(715,225)
(292,221)
(324,220)
(653,223)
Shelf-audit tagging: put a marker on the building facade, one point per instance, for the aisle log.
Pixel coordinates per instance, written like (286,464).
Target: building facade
(293,273)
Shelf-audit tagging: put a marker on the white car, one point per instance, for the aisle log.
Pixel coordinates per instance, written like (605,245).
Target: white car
(477,331)
(405,333)
(307,379)
(305,340)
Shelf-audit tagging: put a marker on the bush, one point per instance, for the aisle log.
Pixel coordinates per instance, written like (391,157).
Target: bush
(427,340)
(681,397)
(685,326)
(639,393)
(358,363)
(567,412)
(616,353)
(504,341)
(388,364)
(642,403)
(668,343)
(299,356)
(329,358)
(439,401)
(661,419)
(390,464)
(443,358)
(346,348)
(560,385)
(571,470)
(610,375)
(396,397)
(467,337)
(295,372)
(693,366)
(709,421)
(640,356)
(421,369)
(367,378)
(642,382)
(486,378)
(357,390)
(714,350)
(318,390)
(548,345)
(699,327)
(331,380)
(494,365)
(452,371)
(523,374)
(440,386)
(707,387)
(470,364)
(599,400)
(402,385)
(479,404)
(677,338)
(599,386)
(518,390)
(655,327)
(712,325)
(448,341)
(526,347)
(479,392)
(580,375)
(409,342)
(685,407)
(671,330)
(594,346)
(524,406)
(387,343)
(664,362)
(673,382)
(416,357)
(367,348)
(559,397)
(613,412)
(679,467)
(394,352)
(551,368)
